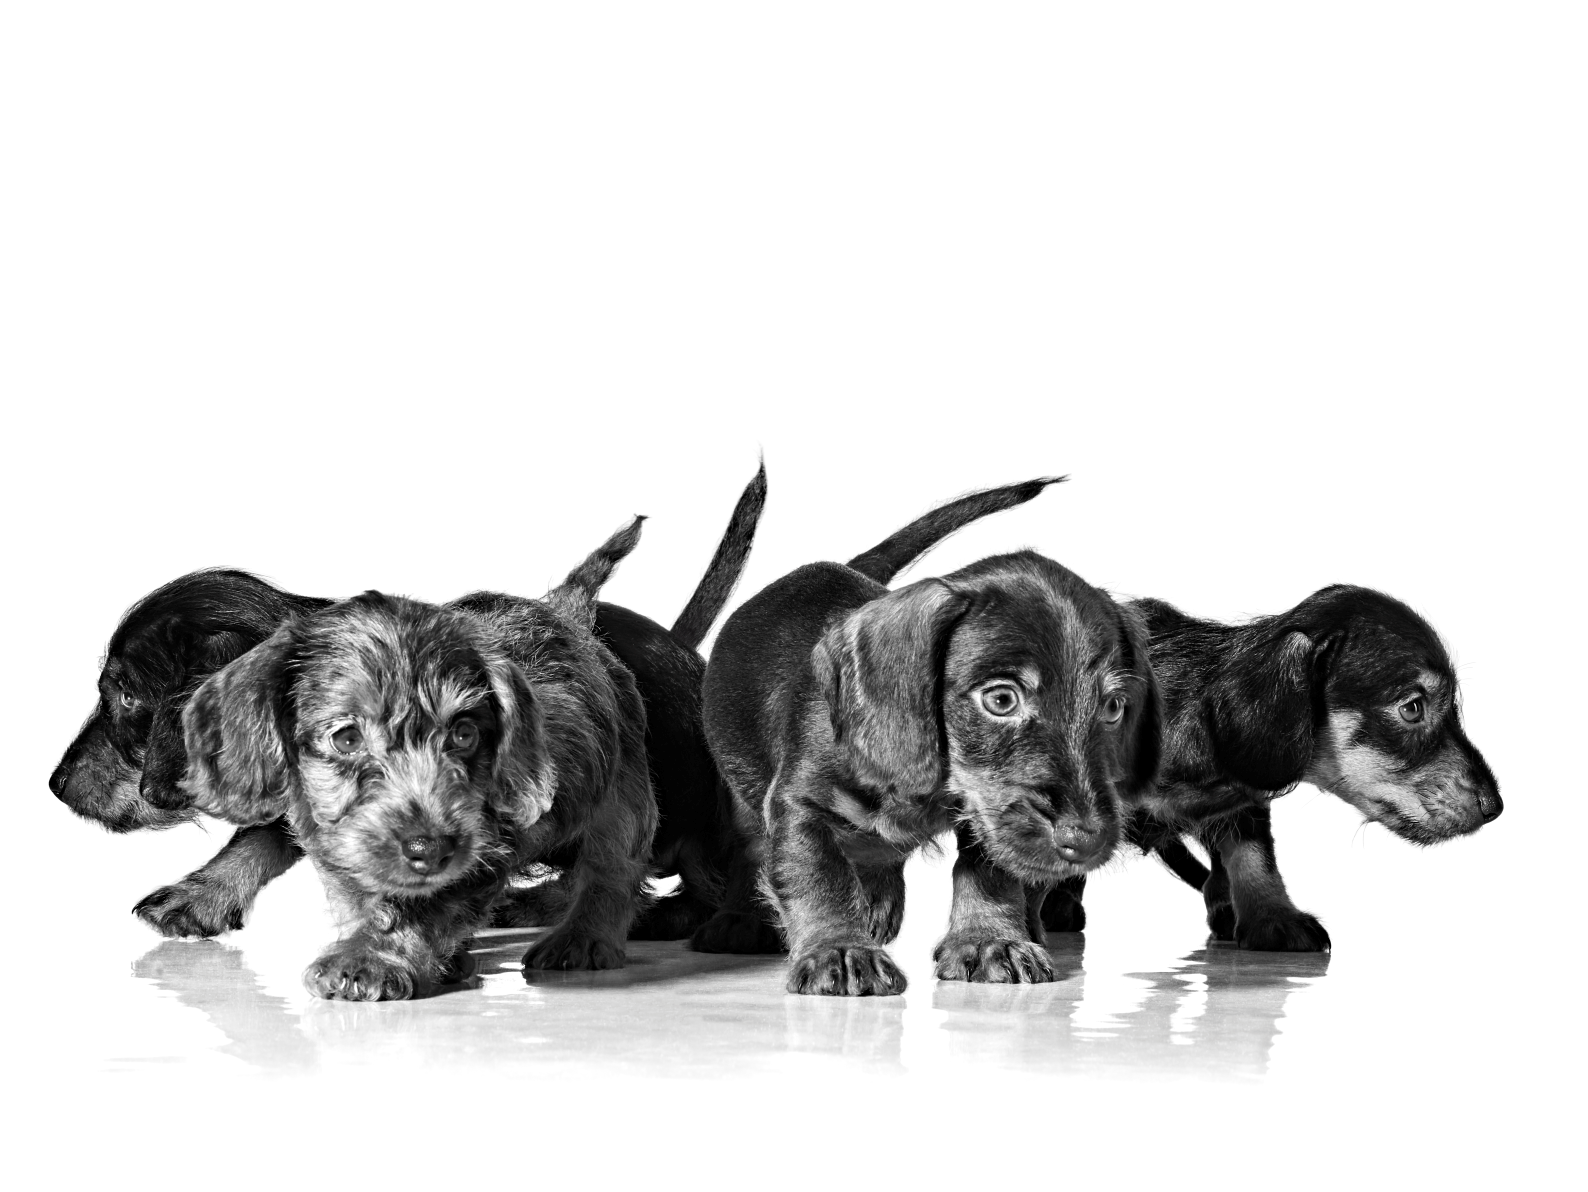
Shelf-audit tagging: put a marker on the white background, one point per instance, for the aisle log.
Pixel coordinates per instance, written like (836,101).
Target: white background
(433,298)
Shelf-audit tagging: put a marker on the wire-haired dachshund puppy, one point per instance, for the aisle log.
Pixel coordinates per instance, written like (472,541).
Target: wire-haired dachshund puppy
(1010,699)
(123,769)
(1351,691)
(422,754)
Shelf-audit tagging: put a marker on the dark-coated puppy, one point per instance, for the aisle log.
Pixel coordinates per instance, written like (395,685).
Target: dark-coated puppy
(124,767)
(744,923)
(422,754)
(1351,691)
(1010,700)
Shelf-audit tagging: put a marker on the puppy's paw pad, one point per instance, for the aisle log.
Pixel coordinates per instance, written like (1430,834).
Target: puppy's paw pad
(354,975)
(190,910)
(737,932)
(994,961)
(1221,921)
(571,952)
(845,970)
(1295,932)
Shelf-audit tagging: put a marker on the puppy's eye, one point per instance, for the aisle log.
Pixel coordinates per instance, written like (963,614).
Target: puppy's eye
(1412,710)
(1112,709)
(465,735)
(1001,700)
(347,740)
(128,700)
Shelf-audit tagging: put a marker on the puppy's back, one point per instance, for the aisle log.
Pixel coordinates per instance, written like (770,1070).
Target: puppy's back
(759,671)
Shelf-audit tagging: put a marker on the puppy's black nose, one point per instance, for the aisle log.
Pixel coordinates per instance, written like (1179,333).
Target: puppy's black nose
(58,782)
(1490,805)
(429,854)
(1079,843)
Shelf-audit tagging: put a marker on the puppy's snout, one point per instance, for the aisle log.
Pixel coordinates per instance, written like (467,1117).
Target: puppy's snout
(429,854)
(1079,842)
(58,781)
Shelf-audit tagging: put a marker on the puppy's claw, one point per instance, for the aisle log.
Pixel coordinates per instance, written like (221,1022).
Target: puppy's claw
(567,951)
(994,961)
(354,975)
(190,909)
(845,970)
(1292,932)
(740,932)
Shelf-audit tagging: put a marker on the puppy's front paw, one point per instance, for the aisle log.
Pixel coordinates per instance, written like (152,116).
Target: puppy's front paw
(743,933)
(1221,921)
(191,909)
(351,973)
(1292,931)
(845,970)
(996,961)
(569,950)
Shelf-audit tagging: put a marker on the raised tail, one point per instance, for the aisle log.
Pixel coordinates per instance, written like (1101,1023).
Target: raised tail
(893,554)
(727,565)
(576,596)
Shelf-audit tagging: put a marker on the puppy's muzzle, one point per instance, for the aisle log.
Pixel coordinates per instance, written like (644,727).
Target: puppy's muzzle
(428,854)
(1081,842)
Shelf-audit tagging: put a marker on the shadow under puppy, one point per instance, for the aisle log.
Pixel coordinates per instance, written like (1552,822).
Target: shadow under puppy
(1351,691)
(422,754)
(124,768)
(1010,700)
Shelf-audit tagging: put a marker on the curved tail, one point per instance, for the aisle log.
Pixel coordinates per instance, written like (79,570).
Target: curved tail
(576,595)
(893,554)
(727,565)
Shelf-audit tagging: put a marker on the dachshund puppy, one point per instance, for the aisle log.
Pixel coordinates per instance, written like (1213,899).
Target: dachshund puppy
(1010,699)
(422,754)
(744,924)
(1351,691)
(123,769)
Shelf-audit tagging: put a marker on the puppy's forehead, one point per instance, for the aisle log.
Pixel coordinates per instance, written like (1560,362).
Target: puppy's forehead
(1023,622)
(1397,655)
(392,660)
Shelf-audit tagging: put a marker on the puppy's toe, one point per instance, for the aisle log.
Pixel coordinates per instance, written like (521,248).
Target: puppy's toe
(568,951)
(190,909)
(1063,912)
(740,932)
(1221,921)
(1294,931)
(845,970)
(353,975)
(994,961)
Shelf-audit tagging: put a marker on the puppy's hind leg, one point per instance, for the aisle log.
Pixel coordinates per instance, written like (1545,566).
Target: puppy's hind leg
(607,880)
(1062,909)
(217,896)
(989,933)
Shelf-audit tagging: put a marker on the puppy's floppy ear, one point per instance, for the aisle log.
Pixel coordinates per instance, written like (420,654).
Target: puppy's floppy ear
(1266,704)
(1142,733)
(881,673)
(165,759)
(239,744)
(524,775)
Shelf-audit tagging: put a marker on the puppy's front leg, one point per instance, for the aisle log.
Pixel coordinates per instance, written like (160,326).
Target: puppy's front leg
(607,879)
(396,949)
(217,896)
(827,914)
(989,931)
(1265,918)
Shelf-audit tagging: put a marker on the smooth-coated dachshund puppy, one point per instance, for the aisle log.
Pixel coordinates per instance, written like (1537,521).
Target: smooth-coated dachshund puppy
(124,768)
(1350,691)
(1009,700)
(425,753)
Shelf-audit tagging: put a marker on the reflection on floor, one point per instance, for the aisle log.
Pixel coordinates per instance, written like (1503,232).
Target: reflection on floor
(1214,1011)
